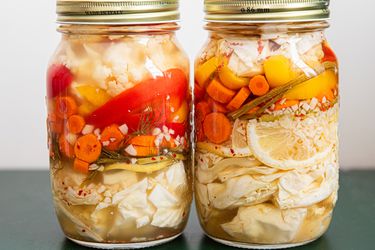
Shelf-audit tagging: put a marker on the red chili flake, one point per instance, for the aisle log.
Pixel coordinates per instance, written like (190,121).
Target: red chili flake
(80,192)
(260,46)
(161,158)
(232,151)
(216,147)
(153,158)
(83,230)
(174,155)
(84,194)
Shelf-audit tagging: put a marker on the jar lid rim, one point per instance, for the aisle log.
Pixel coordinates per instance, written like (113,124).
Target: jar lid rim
(266,10)
(117,11)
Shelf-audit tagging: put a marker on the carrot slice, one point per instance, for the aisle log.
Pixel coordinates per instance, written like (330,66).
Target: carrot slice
(65,147)
(75,124)
(65,106)
(143,140)
(81,166)
(219,92)
(54,123)
(144,145)
(287,103)
(216,106)
(217,127)
(239,99)
(146,151)
(259,85)
(88,148)
(202,109)
(111,137)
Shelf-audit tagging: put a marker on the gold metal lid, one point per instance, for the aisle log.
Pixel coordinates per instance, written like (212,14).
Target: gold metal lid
(266,10)
(117,11)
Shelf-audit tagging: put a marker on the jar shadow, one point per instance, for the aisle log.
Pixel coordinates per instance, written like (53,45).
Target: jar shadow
(179,243)
(322,243)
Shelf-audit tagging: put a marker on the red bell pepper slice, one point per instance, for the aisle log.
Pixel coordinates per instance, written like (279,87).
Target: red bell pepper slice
(178,128)
(329,55)
(59,78)
(129,104)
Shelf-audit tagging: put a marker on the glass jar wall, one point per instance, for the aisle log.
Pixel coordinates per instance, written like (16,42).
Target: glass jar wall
(118,106)
(266,115)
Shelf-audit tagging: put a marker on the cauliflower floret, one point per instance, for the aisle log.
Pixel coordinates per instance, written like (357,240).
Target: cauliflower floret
(165,53)
(127,60)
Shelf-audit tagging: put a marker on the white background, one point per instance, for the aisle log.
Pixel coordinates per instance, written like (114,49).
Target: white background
(28,38)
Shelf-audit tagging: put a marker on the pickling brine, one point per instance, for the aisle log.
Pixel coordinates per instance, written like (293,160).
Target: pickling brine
(118,107)
(266,115)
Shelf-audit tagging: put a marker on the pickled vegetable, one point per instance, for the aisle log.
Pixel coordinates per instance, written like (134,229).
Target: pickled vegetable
(118,124)
(266,166)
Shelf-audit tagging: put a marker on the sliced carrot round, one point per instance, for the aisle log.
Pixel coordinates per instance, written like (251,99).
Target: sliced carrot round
(81,166)
(219,92)
(202,109)
(75,124)
(88,148)
(239,99)
(54,123)
(65,106)
(65,147)
(217,127)
(216,106)
(259,85)
(112,137)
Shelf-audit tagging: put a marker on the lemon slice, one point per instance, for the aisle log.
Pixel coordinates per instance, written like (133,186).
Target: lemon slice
(224,151)
(292,142)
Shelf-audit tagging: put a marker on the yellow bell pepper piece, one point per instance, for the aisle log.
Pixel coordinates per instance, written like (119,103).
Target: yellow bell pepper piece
(181,114)
(278,71)
(204,71)
(314,87)
(95,96)
(86,109)
(231,80)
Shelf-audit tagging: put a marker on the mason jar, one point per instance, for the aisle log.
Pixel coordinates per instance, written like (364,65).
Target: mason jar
(118,106)
(266,114)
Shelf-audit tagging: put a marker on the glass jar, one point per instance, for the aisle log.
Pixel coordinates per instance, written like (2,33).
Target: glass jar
(118,107)
(266,116)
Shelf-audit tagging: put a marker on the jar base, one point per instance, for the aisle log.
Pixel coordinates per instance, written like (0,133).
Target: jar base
(258,246)
(135,245)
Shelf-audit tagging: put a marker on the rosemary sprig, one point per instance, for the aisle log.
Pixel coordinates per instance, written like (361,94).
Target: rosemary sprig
(89,178)
(55,148)
(108,157)
(146,122)
(275,94)
(263,108)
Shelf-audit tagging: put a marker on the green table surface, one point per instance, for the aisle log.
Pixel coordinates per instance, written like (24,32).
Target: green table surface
(27,219)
